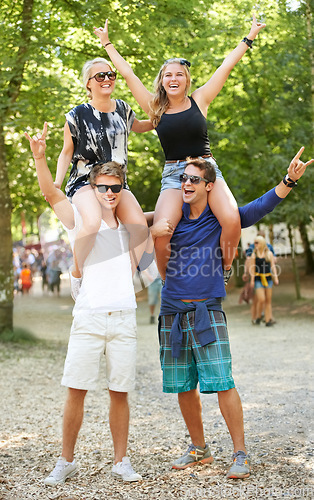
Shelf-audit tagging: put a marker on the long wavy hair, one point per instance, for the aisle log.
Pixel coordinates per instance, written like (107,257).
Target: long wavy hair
(160,101)
(87,71)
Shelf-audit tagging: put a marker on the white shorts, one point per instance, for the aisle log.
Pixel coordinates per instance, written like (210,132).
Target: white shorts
(92,336)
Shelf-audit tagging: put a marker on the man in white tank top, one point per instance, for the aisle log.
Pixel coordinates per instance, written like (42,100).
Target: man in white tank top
(104,316)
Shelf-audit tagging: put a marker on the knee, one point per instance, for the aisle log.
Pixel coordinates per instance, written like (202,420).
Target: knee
(91,224)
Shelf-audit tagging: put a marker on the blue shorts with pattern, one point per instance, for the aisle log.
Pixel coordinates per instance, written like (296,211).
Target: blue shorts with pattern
(210,366)
(170,178)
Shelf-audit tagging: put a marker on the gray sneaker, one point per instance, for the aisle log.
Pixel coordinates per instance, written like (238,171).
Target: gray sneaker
(194,455)
(240,468)
(124,471)
(62,471)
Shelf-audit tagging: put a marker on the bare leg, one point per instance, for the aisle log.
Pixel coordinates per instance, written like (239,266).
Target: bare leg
(72,421)
(191,409)
(131,215)
(224,207)
(169,205)
(268,306)
(260,298)
(254,307)
(119,423)
(90,211)
(231,409)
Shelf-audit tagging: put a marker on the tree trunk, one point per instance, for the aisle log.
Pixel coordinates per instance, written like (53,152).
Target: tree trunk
(6,271)
(294,264)
(309,260)
(8,99)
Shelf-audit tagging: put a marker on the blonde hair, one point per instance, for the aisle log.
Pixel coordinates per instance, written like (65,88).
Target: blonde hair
(160,101)
(264,248)
(86,72)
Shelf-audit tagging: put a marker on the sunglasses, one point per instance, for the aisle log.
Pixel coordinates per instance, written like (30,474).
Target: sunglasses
(184,62)
(103,188)
(194,179)
(100,77)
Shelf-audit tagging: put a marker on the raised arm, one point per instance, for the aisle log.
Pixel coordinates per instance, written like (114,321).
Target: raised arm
(205,94)
(139,91)
(65,156)
(257,209)
(55,197)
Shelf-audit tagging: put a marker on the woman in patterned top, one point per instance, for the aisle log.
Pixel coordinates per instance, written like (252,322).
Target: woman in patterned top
(180,122)
(94,132)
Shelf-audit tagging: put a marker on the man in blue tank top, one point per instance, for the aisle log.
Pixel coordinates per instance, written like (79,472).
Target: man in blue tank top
(194,343)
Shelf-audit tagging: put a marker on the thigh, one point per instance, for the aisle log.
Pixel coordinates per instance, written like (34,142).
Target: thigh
(169,206)
(179,374)
(223,203)
(260,293)
(213,361)
(129,210)
(87,203)
(120,350)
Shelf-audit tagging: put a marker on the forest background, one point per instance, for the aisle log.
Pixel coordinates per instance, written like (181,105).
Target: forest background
(263,115)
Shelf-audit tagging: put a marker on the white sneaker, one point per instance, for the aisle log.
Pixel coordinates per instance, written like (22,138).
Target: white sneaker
(75,285)
(62,471)
(124,471)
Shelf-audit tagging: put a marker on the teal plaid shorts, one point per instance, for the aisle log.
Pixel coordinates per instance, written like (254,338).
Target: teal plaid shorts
(210,366)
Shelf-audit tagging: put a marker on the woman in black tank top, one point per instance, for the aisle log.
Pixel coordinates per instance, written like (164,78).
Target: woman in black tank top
(263,274)
(170,110)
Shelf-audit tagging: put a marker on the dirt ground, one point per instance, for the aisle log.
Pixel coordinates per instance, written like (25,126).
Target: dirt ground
(273,373)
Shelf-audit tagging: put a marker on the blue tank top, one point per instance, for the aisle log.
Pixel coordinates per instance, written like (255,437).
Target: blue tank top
(184,134)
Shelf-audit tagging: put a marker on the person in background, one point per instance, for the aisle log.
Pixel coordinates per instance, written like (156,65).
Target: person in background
(263,275)
(26,278)
(255,317)
(153,292)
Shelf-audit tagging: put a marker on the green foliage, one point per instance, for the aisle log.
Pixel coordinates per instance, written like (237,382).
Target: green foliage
(18,336)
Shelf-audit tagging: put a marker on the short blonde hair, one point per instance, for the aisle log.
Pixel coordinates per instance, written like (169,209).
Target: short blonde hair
(87,71)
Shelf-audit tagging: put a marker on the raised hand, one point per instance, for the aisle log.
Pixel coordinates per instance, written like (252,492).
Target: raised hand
(297,167)
(38,143)
(255,28)
(102,33)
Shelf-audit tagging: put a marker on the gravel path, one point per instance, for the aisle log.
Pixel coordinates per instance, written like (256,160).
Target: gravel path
(272,370)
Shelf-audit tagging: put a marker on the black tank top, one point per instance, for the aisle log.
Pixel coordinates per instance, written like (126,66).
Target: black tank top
(184,134)
(262,266)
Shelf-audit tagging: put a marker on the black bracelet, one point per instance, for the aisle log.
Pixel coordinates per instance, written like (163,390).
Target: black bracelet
(289,182)
(108,43)
(248,42)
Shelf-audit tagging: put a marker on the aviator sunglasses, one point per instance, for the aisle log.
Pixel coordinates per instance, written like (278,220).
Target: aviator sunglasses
(100,77)
(103,188)
(194,179)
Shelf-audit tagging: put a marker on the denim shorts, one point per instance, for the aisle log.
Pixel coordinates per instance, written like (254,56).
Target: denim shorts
(258,284)
(170,178)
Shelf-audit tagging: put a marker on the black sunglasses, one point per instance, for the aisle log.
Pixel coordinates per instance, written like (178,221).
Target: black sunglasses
(184,62)
(195,179)
(103,188)
(100,77)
